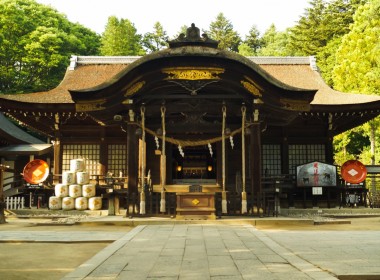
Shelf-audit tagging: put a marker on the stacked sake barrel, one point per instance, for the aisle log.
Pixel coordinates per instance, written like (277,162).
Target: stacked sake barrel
(75,191)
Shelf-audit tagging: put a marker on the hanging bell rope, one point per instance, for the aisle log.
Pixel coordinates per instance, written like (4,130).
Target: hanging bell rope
(163,162)
(224,194)
(142,193)
(244,194)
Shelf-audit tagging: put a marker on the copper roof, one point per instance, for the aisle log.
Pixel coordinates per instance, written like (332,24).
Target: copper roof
(92,71)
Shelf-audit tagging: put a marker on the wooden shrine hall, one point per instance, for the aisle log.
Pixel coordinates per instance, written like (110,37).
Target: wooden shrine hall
(196,130)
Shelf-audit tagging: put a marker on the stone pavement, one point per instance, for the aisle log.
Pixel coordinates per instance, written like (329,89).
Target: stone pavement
(219,251)
(151,248)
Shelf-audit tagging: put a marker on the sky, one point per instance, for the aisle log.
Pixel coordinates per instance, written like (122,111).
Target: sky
(173,14)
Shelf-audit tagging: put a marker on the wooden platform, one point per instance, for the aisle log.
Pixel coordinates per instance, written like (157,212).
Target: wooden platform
(195,206)
(195,201)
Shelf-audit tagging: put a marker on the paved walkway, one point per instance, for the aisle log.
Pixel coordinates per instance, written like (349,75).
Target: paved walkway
(219,251)
(184,251)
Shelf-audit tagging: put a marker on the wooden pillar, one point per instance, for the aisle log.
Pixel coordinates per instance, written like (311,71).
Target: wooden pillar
(255,155)
(169,163)
(219,164)
(57,160)
(132,170)
(133,160)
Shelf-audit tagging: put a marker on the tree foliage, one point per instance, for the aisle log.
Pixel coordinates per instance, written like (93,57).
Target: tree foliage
(319,31)
(357,67)
(36,43)
(252,40)
(120,38)
(223,31)
(321,22)
(274,43)
(358,57)
(156,40)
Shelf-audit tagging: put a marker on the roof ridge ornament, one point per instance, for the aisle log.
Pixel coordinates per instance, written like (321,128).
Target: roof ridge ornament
(73,62)
(313,63)
(193,38)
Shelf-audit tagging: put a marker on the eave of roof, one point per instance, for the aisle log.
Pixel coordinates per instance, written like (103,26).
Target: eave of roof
(26,149)
(304,76)
(15,134)
(294,73)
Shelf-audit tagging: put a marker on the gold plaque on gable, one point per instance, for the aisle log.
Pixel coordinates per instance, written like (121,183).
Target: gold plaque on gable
(93,105)
(185,73)
(134,88)
(295,105)
(252,87)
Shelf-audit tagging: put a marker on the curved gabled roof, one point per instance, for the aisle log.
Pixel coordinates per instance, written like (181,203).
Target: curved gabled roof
(198,52)
(304,76)
(95,72)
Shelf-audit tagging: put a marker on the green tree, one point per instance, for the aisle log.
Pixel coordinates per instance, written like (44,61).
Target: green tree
(340,144)
(306,37)
(319,30)
(223,31)
(274,43)
(156,40)
(358,58)
(357,67)
(322,22)
(36,43)
(253,40)
(326,59)
(120,38)
(246,50)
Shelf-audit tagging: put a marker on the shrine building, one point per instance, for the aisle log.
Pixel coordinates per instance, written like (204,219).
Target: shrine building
(196,130)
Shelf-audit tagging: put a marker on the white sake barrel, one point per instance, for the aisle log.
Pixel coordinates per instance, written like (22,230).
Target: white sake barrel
(55,203)
(88,190)
(68,178)
(75,190)
(81,203)
(95,203)
(68,203)
(77,165)
(61,190)
(83,177)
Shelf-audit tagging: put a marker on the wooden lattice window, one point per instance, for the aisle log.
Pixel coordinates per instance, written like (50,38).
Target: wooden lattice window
(301,154)
(117,159)
(271,160)
(91,153)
